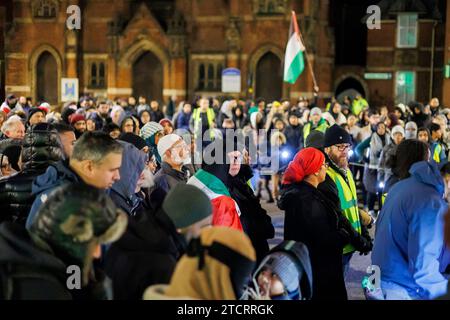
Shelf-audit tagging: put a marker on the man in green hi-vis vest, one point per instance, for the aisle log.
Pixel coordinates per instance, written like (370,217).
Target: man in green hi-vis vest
(359,104)
(202,120)
(340,187)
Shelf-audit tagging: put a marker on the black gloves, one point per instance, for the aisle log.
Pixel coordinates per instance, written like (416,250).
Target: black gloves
(363,245)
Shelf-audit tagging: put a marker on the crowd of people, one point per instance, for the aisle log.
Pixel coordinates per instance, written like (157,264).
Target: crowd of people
(116,188)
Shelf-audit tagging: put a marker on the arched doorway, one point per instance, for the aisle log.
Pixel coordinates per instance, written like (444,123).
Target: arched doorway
(349,87)
(47,79)
(148,77)
(268,77)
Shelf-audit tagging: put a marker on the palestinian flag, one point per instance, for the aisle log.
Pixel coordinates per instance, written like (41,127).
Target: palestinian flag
(225,210)
(294,62)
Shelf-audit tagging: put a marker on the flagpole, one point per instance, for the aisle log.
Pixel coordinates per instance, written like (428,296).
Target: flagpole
(316,87)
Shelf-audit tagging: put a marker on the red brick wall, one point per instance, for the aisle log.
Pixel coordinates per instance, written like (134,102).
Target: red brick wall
(446,82)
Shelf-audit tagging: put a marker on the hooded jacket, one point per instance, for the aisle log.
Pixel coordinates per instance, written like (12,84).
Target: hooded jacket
(409,233)
(123,191)
(421,119)
(55,176)
(41,147)
(26,271)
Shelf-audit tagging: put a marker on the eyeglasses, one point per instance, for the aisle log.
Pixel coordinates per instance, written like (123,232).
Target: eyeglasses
(326,165)
(342,147)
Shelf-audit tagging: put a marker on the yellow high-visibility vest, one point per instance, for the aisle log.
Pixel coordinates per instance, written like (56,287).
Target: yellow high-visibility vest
(349,201)
(197,120)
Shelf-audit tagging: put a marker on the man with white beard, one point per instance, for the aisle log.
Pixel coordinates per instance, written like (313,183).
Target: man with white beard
(174,152)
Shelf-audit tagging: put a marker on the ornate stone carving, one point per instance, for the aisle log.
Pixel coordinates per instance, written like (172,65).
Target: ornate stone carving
(177,46)
(232,35)
(270,6)
(44,9)
(176,32)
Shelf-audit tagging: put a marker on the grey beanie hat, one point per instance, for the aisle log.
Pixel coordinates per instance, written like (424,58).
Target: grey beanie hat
(285,268)
(186,205)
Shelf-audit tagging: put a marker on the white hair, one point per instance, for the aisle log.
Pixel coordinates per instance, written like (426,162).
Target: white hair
(9,124)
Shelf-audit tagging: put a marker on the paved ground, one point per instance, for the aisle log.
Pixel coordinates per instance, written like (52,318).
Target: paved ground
(358,264)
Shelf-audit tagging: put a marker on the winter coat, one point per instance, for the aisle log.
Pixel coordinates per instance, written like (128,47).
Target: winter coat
(437,152)
(165,179)
(183,120)
(255,221)
(56,175)
(26,271)
(29,272)
(40,149)
(385,172)
(157,115)
(294,137)
(310,218)
(145,255)
(123,191)
(409,233)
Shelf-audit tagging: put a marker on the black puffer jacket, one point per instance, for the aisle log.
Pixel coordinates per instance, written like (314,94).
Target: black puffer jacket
(41,147)
(28,272)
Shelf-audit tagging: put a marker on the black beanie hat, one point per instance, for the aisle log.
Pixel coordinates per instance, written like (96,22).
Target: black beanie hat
(66,113)
(336,135)
(315,140)
(33,111)
(135,140)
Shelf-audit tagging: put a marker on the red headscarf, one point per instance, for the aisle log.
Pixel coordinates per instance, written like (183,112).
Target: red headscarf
(305,163)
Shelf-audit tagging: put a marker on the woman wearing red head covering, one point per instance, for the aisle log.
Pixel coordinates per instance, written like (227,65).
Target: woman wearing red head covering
(314,220)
